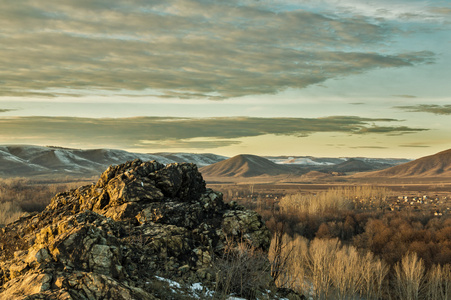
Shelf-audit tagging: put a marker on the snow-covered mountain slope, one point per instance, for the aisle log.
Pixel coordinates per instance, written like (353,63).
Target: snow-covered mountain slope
(331,161)
(27,160)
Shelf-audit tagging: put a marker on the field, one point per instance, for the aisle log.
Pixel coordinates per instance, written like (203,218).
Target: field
(413,190)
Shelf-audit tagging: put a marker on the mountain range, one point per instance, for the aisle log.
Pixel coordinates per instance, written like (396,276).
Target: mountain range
(28,160)
(242,166)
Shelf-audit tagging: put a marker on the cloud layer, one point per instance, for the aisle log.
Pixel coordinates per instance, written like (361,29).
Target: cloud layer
(157,132)
(185,48)
(428,108)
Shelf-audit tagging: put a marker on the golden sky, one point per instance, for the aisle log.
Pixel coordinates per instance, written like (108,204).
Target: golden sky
(280,77)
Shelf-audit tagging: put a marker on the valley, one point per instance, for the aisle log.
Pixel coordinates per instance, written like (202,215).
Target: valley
(382,209)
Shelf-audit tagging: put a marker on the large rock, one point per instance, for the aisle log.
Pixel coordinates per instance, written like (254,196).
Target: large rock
(110,239)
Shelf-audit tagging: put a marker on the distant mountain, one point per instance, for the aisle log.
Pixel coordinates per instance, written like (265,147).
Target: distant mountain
(25,160)
(200,160)
(353,165)
(305,160)
(245,165)
(437,165)
(376,163)
(28,160)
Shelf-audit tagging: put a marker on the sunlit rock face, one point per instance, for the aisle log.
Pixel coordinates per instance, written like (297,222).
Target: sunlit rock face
(109,239)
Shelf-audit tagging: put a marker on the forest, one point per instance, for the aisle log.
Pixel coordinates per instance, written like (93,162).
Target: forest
(346,243)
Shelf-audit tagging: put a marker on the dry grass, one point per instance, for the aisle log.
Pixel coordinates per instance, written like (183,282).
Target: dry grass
(19,195)
(9,212)
(336,199)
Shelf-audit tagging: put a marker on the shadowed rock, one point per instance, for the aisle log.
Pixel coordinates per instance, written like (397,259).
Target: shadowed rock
(109,239)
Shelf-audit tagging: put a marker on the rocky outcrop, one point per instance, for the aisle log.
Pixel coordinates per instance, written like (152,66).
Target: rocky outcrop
(110,239)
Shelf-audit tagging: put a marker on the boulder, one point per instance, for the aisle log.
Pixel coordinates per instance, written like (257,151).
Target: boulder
(110,239)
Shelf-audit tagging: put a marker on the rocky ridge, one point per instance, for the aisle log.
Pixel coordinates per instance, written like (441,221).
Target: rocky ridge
(110,239)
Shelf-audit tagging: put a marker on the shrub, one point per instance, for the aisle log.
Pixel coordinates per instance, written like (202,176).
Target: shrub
(242,271)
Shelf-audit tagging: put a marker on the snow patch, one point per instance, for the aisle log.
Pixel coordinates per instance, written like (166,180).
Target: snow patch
(299,161)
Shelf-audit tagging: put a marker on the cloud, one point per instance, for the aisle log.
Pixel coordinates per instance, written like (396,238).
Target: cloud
(185,49)
(441,10)
(2,110)
(400,10)
(369,147)
(405,96)
(414,145)
(427,108)
(390,130)
(195,143)
(161,132)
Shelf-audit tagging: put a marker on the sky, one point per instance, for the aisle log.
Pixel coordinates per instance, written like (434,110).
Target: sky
(334,78)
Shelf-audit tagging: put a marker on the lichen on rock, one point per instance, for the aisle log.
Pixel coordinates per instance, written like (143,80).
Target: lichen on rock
(140,219)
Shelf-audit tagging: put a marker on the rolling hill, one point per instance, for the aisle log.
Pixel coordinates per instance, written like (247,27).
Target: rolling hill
(437,165)
(353,165)
(245,165)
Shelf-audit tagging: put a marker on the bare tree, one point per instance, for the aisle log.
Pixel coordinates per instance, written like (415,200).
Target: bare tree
(279,254)
(409,277)
(439,282)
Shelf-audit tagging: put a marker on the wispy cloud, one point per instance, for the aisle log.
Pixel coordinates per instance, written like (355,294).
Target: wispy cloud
(427,108)
(441,10)
(405,96)
(149,132)
(186,49)
(2,110)
(414,145)
(369,147)
(390,130)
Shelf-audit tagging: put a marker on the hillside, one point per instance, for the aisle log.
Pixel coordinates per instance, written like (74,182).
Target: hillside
(245,165)
(353,165)
(437,165)
(27,160)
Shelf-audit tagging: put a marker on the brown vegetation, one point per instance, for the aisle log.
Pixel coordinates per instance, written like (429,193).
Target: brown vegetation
(346,243)
(20,195)
(241,271)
